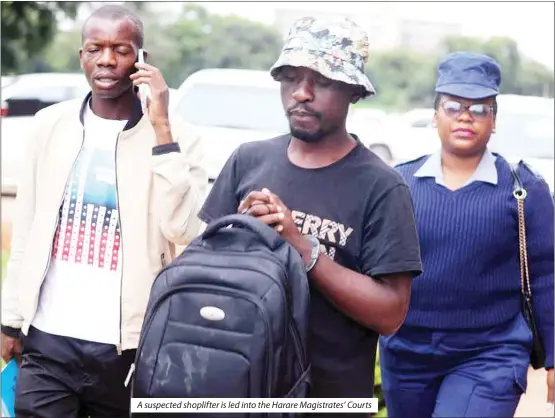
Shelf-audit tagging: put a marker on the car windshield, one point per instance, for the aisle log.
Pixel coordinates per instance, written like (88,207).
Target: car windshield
(45,88)
(240,107)
(524,136)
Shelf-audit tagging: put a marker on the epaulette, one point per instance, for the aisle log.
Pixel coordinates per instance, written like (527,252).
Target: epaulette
(531,169)
(414,160)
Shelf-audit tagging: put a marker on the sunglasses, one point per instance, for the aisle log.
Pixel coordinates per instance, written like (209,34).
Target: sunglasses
(478,111)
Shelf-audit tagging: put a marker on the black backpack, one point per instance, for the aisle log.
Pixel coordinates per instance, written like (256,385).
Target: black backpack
(228,318)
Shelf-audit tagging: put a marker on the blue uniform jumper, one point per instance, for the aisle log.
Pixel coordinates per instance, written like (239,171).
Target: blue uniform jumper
(464,348)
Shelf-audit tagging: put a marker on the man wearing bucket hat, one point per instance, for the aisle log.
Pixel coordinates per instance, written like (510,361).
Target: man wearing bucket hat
(465,347)
(336,196)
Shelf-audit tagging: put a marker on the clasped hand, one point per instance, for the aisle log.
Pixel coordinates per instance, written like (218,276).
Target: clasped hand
(268,208)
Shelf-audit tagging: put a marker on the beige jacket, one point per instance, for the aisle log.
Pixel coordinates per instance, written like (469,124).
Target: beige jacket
(159,198)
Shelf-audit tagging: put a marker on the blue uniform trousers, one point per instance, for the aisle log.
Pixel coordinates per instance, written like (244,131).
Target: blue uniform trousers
(455,373)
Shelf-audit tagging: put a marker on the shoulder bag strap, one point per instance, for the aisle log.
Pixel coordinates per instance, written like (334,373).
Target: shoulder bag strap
(520,195)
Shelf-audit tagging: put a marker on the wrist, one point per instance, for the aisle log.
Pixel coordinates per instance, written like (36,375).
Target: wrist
(303,247)
(309,249)
(161,125)
(162,130)
(11,331)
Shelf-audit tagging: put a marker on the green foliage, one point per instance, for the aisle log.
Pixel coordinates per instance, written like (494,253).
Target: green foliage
(519,75)
(27,28)
(378,391)
(199,39)
(5,256)
(193,39)
(402,78)
(69,42)
(405,79)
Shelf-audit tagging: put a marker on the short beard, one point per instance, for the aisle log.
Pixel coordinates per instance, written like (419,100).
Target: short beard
(309,137)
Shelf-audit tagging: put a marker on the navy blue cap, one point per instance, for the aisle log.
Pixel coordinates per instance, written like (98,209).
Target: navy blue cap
(468,75)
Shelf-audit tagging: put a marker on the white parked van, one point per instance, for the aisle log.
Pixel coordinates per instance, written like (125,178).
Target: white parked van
(230,107)
(525,131)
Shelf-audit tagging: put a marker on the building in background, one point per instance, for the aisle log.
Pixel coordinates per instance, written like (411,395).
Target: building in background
(424,36)
(386,30)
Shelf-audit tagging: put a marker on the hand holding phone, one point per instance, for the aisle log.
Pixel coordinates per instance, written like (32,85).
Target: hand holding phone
(144,89)
(153,92)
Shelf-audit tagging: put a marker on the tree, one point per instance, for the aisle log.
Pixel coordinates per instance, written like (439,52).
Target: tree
(519,75)
(406,79)
(27,28)
(204,40)
(69,42)
(402,78)
(535,79)
(192,40)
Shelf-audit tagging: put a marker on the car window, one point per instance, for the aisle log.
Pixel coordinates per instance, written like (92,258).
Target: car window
(79,91)
(48,94)
(23,99)
(240,107)
(421,123)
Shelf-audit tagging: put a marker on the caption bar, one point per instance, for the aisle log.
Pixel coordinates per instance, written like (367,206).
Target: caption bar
(211,405)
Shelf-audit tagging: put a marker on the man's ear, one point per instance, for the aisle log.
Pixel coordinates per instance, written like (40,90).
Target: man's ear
(81,58)
(356,94)
(146,54)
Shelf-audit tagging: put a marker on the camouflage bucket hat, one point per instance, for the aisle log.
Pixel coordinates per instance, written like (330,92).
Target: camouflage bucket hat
(337,49)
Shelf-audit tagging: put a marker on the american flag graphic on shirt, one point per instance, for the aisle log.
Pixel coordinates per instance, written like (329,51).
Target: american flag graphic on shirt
(88,231)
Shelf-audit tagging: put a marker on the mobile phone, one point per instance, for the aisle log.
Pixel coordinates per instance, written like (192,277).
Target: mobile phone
(144,89)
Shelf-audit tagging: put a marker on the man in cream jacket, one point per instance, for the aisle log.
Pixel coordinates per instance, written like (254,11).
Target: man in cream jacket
(106,194)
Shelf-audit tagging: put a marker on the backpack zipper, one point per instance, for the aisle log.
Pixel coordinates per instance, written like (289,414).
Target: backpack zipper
(129,374)
(245,295)
(286,293)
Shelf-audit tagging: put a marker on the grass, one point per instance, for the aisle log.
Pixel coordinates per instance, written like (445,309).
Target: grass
(378,390)
(5,255)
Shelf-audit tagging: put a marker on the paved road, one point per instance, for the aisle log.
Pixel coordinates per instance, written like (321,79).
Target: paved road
(532,404)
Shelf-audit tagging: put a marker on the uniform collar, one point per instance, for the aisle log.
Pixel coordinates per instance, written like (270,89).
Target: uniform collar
(485,172)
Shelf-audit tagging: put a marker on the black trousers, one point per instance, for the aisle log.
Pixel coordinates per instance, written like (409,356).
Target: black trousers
(71,378)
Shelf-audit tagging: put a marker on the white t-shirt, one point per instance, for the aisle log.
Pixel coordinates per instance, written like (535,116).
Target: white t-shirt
(81,293)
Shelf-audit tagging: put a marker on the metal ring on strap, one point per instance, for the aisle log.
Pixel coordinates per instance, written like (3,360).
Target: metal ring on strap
(520,194)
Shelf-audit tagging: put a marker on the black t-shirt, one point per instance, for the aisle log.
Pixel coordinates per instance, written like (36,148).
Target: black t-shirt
(361,211)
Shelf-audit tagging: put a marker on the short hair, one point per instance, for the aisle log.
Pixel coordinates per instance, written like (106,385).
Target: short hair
(439,96)
(117,12)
